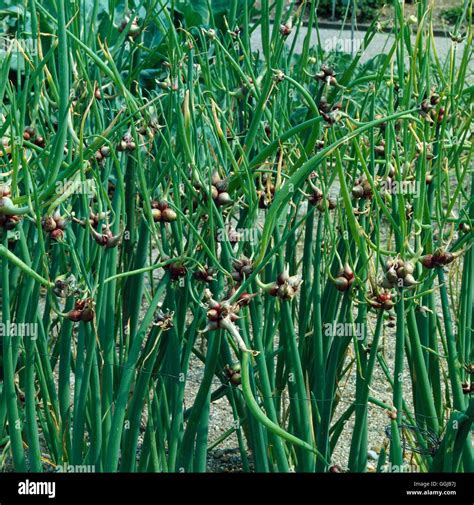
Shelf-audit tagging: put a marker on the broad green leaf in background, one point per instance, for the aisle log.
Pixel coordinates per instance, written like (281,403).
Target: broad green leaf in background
(195,12)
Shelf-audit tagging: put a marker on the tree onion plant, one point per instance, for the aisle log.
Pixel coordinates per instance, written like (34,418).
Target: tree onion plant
(174,193)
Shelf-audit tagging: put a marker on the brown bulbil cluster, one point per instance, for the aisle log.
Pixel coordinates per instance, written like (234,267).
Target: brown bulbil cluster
(54,225)
(219,314)
(344,278)
(30,135)
(326,74)
(242,268)
(233,374)
(64,286)
(176,270)
(163,320)
(106,239)
(285,29)
(421,147)
(438,259)
(328,112)
(380,148)
(286,286)
(382,300)
(126,144)
(102,153)
(161,212)
(83,311)
(317,199)
(9,222)
(219,191)
(94,219)
(428,108)
(362,189)
(206,274)
(398,273)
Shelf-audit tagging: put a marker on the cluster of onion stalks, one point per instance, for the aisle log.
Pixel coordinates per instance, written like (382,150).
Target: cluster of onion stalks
(134,288)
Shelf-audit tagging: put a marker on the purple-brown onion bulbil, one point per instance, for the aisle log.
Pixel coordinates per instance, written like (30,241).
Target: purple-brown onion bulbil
(162,212)
(177,270)
(74,315)
(286,286)
(168,215)
(126,144)
(61,223)
(213,314)
(83,311)
(57,235)
(285,30)
(348,273)
(205,275)
(437,259)
(107,239)
(236,379)
(221,185)
(316,196)
(383,301)
(282,278)
(242,268)
(11,222)
(223,199)
(29,133)
(39,141)
(244,299)
(344,279)
(341,283)
(87,315)
(48,223)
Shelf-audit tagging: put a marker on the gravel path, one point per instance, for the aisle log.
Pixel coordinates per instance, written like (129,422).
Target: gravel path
(332,38)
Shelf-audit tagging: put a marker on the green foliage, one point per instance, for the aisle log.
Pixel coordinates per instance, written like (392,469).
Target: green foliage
(184,220)
(366,10)
(452,14)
